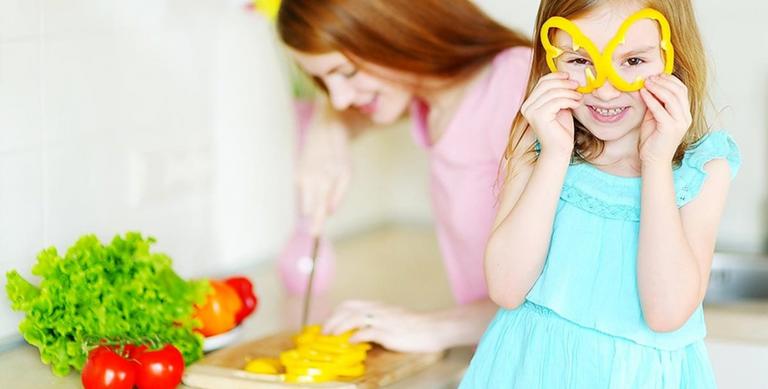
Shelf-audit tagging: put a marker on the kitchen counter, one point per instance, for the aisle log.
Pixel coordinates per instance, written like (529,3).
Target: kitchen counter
(368,266)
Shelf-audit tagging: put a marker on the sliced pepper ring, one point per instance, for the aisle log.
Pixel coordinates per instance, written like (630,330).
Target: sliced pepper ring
(602,61)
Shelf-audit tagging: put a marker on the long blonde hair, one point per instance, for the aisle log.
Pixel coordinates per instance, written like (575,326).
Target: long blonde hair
(690,67)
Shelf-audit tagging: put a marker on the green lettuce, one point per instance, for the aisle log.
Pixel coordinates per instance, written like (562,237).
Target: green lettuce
(118,293)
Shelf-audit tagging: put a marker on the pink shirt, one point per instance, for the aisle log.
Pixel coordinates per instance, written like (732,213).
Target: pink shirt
(464,166)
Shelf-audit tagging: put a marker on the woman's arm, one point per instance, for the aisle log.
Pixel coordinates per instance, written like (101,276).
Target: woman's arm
(402,330)
(324,165)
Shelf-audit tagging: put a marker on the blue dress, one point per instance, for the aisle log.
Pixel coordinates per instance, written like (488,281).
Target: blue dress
(581,325)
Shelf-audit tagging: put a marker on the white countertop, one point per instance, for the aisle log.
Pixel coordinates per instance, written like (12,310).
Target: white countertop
(368,265)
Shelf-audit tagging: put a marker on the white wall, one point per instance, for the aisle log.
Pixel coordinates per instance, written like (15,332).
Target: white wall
(736,40)
(169,117)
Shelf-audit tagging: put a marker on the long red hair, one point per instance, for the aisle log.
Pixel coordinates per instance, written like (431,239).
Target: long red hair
(437,38)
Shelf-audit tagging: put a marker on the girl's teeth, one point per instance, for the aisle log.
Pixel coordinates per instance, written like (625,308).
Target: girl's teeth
(609,112)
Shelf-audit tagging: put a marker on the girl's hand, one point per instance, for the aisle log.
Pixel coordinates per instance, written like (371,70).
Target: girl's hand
(548,110)
(394,328)
(323,171)
(667,119)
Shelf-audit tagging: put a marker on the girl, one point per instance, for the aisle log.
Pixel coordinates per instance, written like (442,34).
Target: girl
(602,246)
(460,77)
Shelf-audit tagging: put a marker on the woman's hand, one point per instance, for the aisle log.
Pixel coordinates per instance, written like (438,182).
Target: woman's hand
(548,110)
(667,119)
(394,328)
(324,168)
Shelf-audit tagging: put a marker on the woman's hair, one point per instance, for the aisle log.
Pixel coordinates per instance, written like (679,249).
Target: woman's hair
(690,67)
(437,38)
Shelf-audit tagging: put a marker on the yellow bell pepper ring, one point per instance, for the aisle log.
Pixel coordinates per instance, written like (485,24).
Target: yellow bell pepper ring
(308,379)
(316,358)
(264,366)
(351,371)
(602,61)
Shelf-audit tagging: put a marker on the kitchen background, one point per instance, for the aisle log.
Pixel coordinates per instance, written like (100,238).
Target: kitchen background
(175,118)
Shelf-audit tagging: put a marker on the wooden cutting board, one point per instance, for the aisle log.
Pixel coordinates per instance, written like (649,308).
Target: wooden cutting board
(223,369)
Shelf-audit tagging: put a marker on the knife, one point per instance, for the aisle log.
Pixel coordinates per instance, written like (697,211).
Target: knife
(308,290)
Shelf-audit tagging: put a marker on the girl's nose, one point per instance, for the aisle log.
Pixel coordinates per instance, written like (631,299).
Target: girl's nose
(606,92)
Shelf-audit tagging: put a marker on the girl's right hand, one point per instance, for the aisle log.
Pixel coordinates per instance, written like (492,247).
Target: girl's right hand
(324,169)
(548,112)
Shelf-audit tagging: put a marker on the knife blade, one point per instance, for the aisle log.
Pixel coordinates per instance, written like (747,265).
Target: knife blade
(310,279)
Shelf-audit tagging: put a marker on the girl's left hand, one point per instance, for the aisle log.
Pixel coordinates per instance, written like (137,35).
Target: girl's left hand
(667,119)
(394,328)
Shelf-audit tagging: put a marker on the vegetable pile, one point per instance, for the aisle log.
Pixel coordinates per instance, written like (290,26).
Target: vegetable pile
(126,366)
(316,358)
(118,292)
(229,303)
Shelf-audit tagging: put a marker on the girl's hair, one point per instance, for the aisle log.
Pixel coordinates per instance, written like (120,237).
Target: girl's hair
(690,67)
(437,38)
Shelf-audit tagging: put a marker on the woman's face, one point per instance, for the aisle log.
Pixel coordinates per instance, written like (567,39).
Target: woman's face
(378,96)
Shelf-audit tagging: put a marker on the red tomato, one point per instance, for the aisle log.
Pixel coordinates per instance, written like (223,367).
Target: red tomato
(107,370)
(218,312)
(160,369)
(244,289)
(131,351)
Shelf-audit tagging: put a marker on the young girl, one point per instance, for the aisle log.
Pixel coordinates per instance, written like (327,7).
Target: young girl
(602,246)
(460,77)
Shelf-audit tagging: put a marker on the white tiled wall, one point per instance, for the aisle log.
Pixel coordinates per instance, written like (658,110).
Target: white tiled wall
(169,117)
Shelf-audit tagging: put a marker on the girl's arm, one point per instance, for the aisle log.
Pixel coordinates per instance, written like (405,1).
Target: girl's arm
(519,242)
(677,245)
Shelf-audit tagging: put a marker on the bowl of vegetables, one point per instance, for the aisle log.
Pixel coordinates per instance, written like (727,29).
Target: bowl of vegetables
(229,302)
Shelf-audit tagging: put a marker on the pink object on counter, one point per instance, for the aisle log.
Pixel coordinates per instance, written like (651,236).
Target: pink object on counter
(295,263)
(464,167)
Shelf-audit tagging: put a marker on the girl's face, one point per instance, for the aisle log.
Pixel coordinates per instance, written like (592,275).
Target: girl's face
(377,96)
(610,114)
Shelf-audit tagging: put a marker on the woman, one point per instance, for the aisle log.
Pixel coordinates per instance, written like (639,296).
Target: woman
(460,76)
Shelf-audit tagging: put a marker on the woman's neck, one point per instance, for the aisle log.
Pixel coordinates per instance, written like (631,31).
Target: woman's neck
(444,98)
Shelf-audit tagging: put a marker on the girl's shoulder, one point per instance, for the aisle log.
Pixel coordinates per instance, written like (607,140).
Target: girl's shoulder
(691,174)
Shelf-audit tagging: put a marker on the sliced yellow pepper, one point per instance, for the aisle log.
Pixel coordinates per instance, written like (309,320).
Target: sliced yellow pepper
(264,366)
(602,61)
(316,358)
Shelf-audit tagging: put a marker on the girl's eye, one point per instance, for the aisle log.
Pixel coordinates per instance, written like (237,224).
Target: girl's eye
(634,61)
(579,61)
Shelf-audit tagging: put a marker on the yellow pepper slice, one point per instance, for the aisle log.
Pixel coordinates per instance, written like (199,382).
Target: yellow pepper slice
(316,358)
(264,366)
(602,61)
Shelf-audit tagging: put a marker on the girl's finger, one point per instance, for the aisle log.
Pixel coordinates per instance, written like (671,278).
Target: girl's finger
(679,90)
(552,107)
(668,95)
(658,111)
(547,85)
(554,95)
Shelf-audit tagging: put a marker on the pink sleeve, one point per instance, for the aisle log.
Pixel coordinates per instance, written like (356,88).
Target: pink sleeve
(515,64)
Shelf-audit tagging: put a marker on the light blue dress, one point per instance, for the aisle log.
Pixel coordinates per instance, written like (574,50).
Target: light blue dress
(581,325)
